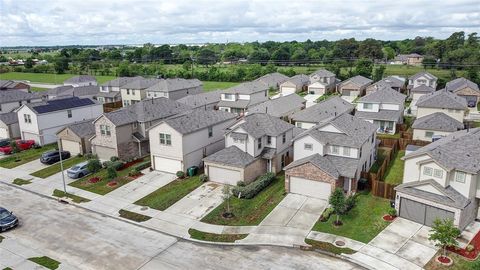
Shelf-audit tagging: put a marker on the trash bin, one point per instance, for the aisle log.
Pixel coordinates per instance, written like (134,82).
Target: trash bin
(192,171)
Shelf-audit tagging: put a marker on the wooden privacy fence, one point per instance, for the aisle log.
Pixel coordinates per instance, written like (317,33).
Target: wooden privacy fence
(401,142)
(112,106)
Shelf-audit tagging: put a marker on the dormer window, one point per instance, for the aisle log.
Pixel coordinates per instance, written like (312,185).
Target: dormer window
(229,96)
(284,138)
(259,143)
(460,177)
(367,106)
(269,139)
(335,149)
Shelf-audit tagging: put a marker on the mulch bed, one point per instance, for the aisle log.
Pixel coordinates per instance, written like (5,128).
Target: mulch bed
(130,164)
(444,260)
(389,218)
(471,255)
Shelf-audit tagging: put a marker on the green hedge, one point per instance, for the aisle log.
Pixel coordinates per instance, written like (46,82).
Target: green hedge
(117,165)
(142,165)
(249,191)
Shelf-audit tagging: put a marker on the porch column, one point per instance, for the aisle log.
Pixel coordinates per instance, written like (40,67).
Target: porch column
(350,186)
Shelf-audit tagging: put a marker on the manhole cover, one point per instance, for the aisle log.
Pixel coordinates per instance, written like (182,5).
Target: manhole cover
(339,243)
(144,208)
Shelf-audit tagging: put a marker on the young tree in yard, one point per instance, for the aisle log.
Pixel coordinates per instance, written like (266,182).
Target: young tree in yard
(337,201)
(14,147)
(94,165)
(444,234)
(111,172)
(226,197)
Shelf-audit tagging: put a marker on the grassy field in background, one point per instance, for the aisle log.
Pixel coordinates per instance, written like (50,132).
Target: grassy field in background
(46,77)
(211,86)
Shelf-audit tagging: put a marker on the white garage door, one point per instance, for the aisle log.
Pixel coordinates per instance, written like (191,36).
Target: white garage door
(167,165)
(4,133)
(316,91)
(222,175)
(71,146)
(287,90)
(310,188)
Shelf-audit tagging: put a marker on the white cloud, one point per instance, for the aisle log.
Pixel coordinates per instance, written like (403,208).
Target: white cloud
(56,22)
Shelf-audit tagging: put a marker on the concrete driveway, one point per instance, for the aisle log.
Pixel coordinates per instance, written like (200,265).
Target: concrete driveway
(295,214)
(311,99)
(403,244)
(31,166)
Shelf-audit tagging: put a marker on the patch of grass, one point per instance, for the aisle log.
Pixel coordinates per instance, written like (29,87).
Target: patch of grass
(459,263)
(394,174)
(45,262)
(476,124)
(171,193)
(133,216)
(211,86)
(38,89)
(55,168)
(76,199)
(25,156)
(21,182)
(47,77)
(1,238)
(408,120)
(7,268)
(362,223)
(329,247)
(213,237)
(250,211)
(389,136)
(381,153)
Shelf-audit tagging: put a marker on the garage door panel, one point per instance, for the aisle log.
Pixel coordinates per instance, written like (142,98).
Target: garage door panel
(288,90)
(433,213)
(167,164)
(224,175)
(316,189)
(412,210)
(71,146)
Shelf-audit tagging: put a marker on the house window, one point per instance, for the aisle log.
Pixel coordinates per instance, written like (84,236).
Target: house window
(429,134)
(69,113)
(165,139)
(427,171)
(367,106)
(269,139)
(422,81)
(229,96)
(372,138)
(335,149)
(126,102)
(19,103)
(308,146)
(105,130)
(259,143)
(346,151)
(284,137)
(298,124)
(438,173)
(460,177)
(210,132)
(135,125)
(27,118)
(128,91)
(265,93)
(133,91)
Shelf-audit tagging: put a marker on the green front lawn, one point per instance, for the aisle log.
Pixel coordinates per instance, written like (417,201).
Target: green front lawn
(26,156)
(250,211)
(55,168)
(133,216)
(46,262)
(76,199)
(171,193)
(46,77)
(362,223)
(213,237)
(328,247)
(394,173)
(459,263)
(21,182)
(101,187)
(211,86)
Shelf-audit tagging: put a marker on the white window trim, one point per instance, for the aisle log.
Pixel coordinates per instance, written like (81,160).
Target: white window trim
(308,146)
(428,171)
(462,174)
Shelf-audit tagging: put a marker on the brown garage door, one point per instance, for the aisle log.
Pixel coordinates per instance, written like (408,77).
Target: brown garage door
(422,213)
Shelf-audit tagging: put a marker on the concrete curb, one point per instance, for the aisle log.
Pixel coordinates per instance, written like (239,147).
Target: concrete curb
(182,238)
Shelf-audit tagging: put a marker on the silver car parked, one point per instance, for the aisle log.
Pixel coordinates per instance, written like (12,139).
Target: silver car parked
(78,171)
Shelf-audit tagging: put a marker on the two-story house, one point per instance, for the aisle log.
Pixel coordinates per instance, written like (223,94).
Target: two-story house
(238,98)
(321,112)
(65,91)
(205,100)
(295,84)
(81,80)
(110,91)
(395,82)
(384,108)
(441,180)
(413,59)
(41,121)
(322,82)
(331,155)
(466,89)
(416,93)
(273,80)
(174,88)
(354,87)
(442,101)
(282,107)
(134,91)
(12,99)
(124,133)
(182,141)
(435,126)
(255,144)
(422,78)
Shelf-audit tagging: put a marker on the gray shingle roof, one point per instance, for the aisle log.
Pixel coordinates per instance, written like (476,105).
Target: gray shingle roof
(261,124)
(248,88)
(324,110)
(279,107)
(460,83)
(83,129)
(456,151)
(121,81)
(70,91)
(450,196)
(299,80)
(323,73)
(146,110)
(81,79)
(202,99)
(230,156)
(170,85)
(389,81)
(273,79)
(332,165)
(442,99)
(387,95)
(385,115)
(422,73)
(194,120)
(422,89)
(140,84)
(8,96)
(358,80)
(355,131)
(437,121)
(111,94)
(9,118)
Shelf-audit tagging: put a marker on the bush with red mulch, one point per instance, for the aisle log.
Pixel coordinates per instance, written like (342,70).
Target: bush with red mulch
(389,218)
(112,183)
(445,260)
(94,180)
(130,164)
(475,242)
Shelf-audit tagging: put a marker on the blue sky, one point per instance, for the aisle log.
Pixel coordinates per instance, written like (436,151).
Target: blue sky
(55,22)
